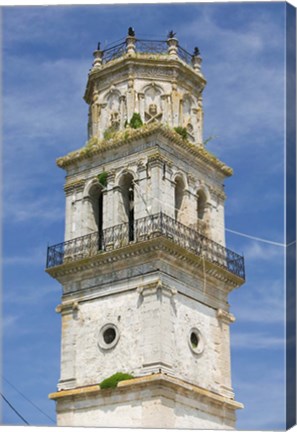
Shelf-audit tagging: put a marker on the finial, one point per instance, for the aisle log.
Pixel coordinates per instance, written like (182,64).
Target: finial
(196,51)
(171,34)
(98,46)
(131,31)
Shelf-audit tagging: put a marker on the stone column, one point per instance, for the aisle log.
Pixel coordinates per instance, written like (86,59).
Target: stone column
(175,102)
(195,123)
(164,109)
(109,202)
(68,216)
(130,99)
(130,45)
(141,105)
(196,62)
(167,190)
(98,56)
(217,221)
(200,120)
(123,111)
(103,120)
(88,224)
(141,192)
(156,173)
(73,220)
(191,214)
(94,114)
(172,47)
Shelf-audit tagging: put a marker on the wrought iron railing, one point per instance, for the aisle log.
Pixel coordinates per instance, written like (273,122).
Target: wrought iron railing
(151,46)
(157,225)
(145,46)
(184,55)
(114,52)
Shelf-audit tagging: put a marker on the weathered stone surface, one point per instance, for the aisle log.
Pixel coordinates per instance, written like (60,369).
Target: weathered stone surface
(153,308)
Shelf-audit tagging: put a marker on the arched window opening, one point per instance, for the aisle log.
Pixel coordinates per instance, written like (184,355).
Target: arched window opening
(179,197)
(201,205)
(127,190)
(96,198)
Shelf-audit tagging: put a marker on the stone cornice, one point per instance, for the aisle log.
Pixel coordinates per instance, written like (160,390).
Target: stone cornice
(225,316)
(159,245)
(152,288)
(129,136)
(76,185)
(147,61)
(160,379)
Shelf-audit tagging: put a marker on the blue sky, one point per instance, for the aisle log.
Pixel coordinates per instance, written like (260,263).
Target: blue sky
(47,52)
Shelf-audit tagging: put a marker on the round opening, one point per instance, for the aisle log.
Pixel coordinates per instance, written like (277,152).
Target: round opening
(194,340)
(109,335)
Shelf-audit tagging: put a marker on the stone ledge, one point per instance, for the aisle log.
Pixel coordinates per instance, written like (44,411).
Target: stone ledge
(167,250)
(177,384)
(130,135)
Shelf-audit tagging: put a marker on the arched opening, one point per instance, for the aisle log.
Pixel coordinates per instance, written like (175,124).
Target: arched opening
(127,191)
(178,197)
(201,205)
(96,219)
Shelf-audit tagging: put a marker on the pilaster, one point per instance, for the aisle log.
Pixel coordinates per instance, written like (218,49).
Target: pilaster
(225,319)
(157,305)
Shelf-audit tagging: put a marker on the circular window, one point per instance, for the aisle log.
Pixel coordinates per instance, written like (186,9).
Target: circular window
(108,336)
(196,341)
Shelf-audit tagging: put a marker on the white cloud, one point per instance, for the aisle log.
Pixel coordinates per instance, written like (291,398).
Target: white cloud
(244,95)
(255,251)
(46,105)
(260,301)
(30,295)
(256,340)
(44,209)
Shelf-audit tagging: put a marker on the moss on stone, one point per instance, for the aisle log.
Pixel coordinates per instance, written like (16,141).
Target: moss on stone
(182,131)
(102,178)
(114,379)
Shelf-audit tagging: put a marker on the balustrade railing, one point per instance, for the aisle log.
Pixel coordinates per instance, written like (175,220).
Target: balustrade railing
(144,229)
(144,46)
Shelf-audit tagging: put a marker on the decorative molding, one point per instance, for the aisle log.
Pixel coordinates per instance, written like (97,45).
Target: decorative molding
(155,245)
(152,288)
(67,307)
(180,386)
(129,136)
(225,316)
(74,186)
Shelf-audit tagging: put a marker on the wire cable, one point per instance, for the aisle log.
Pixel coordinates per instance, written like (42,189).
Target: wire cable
(256,238)
(227,229)
(13,409)
(28,400)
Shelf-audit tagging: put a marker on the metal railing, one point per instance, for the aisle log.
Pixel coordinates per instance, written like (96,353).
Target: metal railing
(145,46)
(157,225)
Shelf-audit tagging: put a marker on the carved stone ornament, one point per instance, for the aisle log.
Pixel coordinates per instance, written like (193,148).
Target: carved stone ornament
(152,114)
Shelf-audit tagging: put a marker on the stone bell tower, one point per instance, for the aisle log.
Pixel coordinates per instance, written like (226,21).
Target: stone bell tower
(144,269)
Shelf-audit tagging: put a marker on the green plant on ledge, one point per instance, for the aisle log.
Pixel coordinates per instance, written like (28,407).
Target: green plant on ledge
(102,178)
(136,121)
(182,132)
(113,380)
(110,132)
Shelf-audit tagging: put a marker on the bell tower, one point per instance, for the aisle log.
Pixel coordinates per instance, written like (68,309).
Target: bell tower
(144,268)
